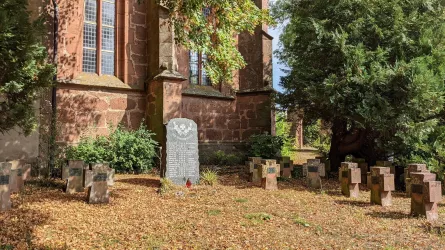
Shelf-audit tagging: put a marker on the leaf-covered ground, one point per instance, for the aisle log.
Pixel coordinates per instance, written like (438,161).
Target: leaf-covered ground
(232,215)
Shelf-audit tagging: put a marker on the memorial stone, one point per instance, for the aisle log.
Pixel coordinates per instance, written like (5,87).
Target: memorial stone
(75,177)
(350,179)
(412,168)
(286,166)
(5,194)
(313,173)
(65,171)
(16,183)
(268,172)
(182,151)
(98,191)
(252,168)
(363,168)
(382,184)
(426,193)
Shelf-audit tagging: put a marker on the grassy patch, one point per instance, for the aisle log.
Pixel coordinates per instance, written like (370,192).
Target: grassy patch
(209,177)
(257,218)
(300,221)
(166,186)
(241,200)
(214,212)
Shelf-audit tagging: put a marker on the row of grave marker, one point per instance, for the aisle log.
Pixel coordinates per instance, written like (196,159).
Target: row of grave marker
(266,171)
(423,189)
(96,177)
(13,175)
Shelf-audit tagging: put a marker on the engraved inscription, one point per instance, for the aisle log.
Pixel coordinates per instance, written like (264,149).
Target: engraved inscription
(4,179)
(312,169)
(271,171)
(100,177)
(417,188)
(75,172)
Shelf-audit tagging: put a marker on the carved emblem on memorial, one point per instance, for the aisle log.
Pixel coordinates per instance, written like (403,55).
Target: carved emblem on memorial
(98,191)
(382,185)
(5,194)
(426,193)
(182,159)
(268,172)
(350,175)
(252,168)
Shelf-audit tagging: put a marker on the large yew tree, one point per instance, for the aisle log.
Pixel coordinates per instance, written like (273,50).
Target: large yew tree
(24,68)
(372,69)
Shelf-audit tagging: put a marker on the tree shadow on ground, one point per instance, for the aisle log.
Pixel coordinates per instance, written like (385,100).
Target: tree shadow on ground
(145,182)
(17,228)
(399,195)
(353,203)
(394,215)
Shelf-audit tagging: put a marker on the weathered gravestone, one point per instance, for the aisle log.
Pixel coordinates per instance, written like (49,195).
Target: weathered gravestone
(313,173)
(98,191)
(16,182)
(88,175)
(412,168)
(425,194)
(268,172)
(182,151)
(382,184)
(387,164)
(110,176)
(363,168)
(5,194)
(286,166)
(252,168)
(350,179)
(75,177)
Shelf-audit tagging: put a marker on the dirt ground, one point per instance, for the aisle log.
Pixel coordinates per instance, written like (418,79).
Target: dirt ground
(232,215)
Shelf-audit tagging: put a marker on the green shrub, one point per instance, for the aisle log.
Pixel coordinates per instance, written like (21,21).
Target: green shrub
(209,177)
(166,186)
(283,128)
(126,151)
(265,146)
(220,158)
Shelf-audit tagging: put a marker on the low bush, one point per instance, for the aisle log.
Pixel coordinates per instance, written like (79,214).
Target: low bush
(126,151)
(209,177)
(265,146)
(220,158)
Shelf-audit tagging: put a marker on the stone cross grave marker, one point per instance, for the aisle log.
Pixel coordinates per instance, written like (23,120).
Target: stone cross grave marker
(75,177)
(363,168)
(16,182)
(350,179)
(5,194)
(269,172)
(252,168)
(313,173)
(182,151)
(382,184)
(426,192)
(387,164)
(412,168)
(286,166)
(98,191)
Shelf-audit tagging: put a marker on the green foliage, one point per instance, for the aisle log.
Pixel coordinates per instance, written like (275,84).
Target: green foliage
(220,158)
(301,221)
(241,200)
(24,70)
(373,69)
(209,177)
(283,128)
(126,151)
(215,35)
(265,146)
(258,218)
(214,212)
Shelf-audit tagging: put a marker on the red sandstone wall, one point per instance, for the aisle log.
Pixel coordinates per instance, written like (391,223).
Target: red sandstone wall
(228,120)
(90,113)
